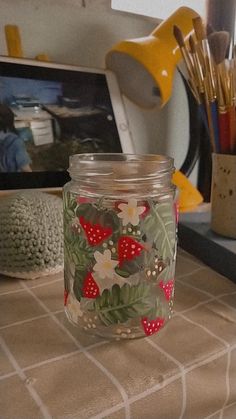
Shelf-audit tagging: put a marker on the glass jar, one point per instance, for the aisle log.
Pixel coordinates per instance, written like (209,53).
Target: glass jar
(120,243)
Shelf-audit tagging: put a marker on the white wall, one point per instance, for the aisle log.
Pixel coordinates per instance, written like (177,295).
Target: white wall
(158,8)
(67,31)
(71,33)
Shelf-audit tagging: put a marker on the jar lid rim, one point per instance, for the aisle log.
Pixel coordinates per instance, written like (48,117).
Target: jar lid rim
(116,158)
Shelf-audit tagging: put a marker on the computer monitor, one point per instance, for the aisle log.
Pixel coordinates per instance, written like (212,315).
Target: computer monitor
(59,110)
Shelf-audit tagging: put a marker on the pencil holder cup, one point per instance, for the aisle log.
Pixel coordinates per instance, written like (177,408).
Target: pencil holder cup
(223,195)
(120,244)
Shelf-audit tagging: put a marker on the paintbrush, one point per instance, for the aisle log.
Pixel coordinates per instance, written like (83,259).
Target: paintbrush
(204,50)
(209,29)
(192,81)
(223,119)
(195,81)
(206,90)
(197,65)
(232,109)
(209,111)
(185,54)
(219,42)
(234,72)
(188,63)
(199,81)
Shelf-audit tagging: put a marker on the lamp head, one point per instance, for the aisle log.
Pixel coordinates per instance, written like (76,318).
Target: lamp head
(145,66)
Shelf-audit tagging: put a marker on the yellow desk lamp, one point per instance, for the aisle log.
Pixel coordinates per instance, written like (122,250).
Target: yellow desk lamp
(145,71)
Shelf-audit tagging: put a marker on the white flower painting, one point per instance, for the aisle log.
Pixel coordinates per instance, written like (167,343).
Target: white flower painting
(73,309)
(130,212)
(105,265)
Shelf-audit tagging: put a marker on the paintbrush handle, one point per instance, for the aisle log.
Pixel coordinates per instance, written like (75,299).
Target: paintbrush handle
(209,117)
(232,118)
(204,116)
(215,123)
(224,131)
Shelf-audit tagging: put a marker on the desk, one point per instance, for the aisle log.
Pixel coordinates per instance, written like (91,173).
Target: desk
(48,369)
(87,122)
(39,121)
(65,112)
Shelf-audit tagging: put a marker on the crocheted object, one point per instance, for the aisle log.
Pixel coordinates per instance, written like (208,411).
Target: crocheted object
(31,234)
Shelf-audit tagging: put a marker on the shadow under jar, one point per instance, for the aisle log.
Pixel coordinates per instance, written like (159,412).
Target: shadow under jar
(120,243)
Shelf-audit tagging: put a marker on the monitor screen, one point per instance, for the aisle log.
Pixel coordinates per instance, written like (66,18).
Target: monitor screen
(51,111)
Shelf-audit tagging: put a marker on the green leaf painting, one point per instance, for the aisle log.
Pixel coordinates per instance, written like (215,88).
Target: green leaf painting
(160,228)
(80,274)
(119,304)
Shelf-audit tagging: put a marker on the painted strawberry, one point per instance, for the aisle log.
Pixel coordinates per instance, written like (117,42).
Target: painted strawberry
(152,326)
(167,288)
(82,200)
(90,288)
(66,294)
(128,249)
(176,210)
(95,233)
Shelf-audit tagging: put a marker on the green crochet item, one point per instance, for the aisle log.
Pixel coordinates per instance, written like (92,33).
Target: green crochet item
(31,234)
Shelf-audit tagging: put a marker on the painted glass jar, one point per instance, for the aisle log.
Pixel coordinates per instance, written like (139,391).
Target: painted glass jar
(119,243)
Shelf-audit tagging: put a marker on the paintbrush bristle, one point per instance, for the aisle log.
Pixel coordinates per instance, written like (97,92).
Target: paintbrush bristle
(209,29)
(192,45)
(199,28)
(234,52)
(178,36)
(219,43)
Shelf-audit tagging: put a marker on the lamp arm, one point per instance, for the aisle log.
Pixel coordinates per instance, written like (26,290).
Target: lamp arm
(195,124)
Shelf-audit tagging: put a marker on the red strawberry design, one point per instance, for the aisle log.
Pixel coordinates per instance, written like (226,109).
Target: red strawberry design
(66,294)
(152,326)
(82,200)
(167,288)
(128,249)
(147,208)
(176,210)
(95,233)
(90,288)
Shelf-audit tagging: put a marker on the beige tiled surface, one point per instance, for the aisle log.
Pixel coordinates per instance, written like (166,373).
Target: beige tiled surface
(52,370)
(155,404)
(74,387)
(5,365)
(131,369)
(16,401)
(12,311)
(200,382)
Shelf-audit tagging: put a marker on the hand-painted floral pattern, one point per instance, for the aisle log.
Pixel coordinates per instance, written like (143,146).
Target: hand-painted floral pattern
(107,283)
(124,257)
(73,308)
(105,265)
(130,212)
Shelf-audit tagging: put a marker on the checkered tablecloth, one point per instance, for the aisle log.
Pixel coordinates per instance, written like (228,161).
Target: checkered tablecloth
(49,369)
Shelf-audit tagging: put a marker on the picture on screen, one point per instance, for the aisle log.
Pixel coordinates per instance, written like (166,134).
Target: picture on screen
(43,122)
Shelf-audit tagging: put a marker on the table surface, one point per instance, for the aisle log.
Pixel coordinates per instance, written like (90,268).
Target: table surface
(196,237)
(65,112)
(49,369)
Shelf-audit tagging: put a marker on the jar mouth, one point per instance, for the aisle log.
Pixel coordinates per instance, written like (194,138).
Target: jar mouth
(119,157)
(109,164)
(110,174)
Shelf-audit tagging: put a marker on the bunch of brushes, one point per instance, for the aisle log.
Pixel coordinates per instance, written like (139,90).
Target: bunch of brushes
(211,77)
